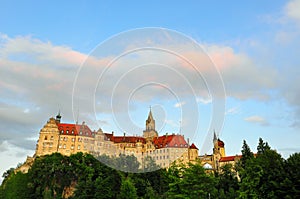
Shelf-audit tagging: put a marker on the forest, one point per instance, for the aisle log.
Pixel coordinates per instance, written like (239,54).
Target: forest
(264,174)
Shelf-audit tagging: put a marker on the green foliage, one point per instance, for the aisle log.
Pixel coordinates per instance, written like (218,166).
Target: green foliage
(267,175)
(263,176)
(262,147)
(190,181)
(246,154)
(15,186)
(227,182)
(122,162)
(291,183)
(128,190)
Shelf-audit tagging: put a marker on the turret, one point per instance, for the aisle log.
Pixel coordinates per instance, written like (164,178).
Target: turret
(58,117)
(150,132)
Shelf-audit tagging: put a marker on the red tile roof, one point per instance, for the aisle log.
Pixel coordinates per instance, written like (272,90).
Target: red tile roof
(121,139)
(74,129)
(229,158)
(193,146)
(170,141)
(128,139)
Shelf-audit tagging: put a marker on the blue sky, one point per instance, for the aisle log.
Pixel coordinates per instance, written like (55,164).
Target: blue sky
(255,46)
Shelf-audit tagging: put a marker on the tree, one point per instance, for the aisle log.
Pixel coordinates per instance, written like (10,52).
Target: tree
(250,180)
(150,192)
(15,186)
(127,190)
(174,175)
(273,174)
(291,184)
(196,183)
(191,182)
(149,164)
(246,154)
(227,182)
(262,146)
(7,173)
(127,163)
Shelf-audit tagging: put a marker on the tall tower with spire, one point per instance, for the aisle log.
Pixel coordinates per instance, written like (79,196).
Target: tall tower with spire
(150,132)
(218,151)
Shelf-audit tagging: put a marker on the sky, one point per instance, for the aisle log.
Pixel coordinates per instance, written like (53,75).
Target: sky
(80,58)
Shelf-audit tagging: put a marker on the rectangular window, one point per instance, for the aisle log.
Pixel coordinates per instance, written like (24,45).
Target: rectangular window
(64,146)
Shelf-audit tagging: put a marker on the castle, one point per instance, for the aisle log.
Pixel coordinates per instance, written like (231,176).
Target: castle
(69,139)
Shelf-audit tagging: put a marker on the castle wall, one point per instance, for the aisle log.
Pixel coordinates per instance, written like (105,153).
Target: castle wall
(48,139)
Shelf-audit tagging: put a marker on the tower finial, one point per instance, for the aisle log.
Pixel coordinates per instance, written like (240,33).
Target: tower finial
(215,136)
(77,115)
(58,117)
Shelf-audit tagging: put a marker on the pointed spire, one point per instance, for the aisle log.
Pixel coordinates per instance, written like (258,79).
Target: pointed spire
(215,136)
(150,117)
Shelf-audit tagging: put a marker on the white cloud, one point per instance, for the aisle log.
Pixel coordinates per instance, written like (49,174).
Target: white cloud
(233,110)
(292,10)
(42,75)
(257,119)
(10,154)
(204,100)
(179,104)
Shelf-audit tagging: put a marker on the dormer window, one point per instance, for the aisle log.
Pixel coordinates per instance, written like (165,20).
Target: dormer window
(62,131)
(72,132)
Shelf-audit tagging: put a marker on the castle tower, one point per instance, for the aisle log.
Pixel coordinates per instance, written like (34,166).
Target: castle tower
(218,151)
(48,139)
(150,132)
